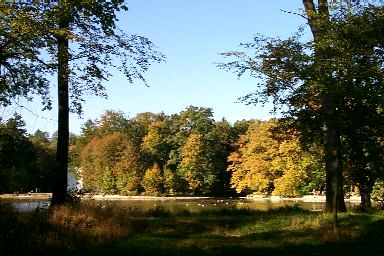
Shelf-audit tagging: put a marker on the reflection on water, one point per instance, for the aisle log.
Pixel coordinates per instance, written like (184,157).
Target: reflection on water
(179,205)
(30,205)
(198,205)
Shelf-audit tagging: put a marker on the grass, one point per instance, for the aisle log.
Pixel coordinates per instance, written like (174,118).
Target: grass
(96,230)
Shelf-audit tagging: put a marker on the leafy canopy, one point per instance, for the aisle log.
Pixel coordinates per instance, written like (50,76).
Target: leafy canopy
(29,34)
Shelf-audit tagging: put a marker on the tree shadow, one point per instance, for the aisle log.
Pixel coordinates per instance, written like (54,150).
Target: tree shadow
(206,233)
(263,243)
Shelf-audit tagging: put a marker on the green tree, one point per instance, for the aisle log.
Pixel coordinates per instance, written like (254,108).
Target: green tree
(195,167)
(97,40)
(22,68)
(155,148)
(314,80)
(84,43)
(111,122)
(364,101)
(139,125)
(292,79)
(173,183)
(181,126)
(220,145)
(44,159)
(17,157)
(364,156)
(88,131)
(349,45)
(239,128)
(129,169)
(108,181)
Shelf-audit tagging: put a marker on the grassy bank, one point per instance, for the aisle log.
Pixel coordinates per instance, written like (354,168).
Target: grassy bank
(93,230)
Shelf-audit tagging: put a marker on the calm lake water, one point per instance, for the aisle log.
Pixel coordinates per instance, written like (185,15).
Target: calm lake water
(178,205)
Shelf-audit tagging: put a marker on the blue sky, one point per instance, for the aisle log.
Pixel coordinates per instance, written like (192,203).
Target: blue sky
(190,33)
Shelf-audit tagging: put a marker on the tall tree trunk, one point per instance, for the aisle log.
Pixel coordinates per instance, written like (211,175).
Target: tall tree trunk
(366,183)
(365,194)
(334,176)
(333,170)
(333,165)
(362,175)
(60,186)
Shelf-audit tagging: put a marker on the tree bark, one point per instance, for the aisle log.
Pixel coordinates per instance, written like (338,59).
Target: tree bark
(362,175)
(333,170)
(365,194)
(59,194)
(310,9)
(333,165)
(366,183)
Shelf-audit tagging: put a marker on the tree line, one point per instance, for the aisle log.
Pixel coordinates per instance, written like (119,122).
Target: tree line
(188,153)
(183,153)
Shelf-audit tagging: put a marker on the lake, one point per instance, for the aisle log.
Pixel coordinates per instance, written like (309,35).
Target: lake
(174,205)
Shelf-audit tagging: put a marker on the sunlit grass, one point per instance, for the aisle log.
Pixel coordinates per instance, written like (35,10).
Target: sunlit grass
(98,230)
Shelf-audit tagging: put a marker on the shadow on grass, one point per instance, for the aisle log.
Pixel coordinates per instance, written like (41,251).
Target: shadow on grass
(263,243)
(107,231)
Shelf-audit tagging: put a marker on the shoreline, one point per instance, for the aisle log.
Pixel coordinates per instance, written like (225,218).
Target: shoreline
(306,198)
(48,196)
(32,196)
(86,196)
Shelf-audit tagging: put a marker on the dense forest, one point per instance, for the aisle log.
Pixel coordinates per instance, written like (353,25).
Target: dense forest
(188,153)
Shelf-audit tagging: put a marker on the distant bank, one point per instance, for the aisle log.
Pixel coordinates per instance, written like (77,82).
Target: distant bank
(47,196)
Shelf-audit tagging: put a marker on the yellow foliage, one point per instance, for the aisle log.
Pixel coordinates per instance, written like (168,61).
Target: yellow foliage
(251,164)
(114,153)
(152,138)
(262,162)
(153,180)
